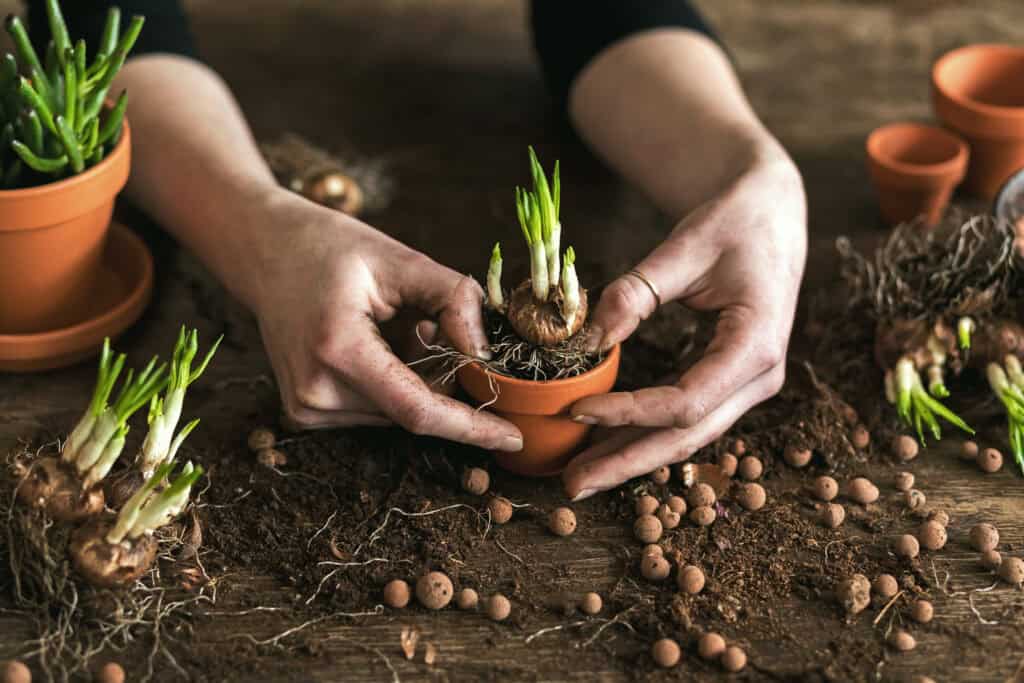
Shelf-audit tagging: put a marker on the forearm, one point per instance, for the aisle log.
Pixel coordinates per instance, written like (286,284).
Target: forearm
(665,108)
(195,166)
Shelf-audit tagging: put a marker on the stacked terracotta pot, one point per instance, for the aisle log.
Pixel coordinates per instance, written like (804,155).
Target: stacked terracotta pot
(978,97)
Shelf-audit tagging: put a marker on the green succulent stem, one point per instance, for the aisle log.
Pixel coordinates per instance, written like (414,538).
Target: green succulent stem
(67,94)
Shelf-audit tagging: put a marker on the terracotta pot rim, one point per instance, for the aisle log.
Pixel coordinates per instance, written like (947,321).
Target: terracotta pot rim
(565,383)
(953,168)
(957,98)
(85,176)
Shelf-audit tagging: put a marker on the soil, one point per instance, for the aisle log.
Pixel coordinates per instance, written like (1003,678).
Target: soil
(352,510)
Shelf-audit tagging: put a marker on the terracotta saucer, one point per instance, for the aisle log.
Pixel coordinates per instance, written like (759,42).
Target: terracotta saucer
(122,292)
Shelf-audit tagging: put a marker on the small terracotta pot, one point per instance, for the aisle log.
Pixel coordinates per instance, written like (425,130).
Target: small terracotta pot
(52,239)
(540,411)
(915,168)
(978,91)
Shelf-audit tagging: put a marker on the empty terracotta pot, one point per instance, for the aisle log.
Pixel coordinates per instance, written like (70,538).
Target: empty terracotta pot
(978,91)
(541,412)
(915,168)
(52,239)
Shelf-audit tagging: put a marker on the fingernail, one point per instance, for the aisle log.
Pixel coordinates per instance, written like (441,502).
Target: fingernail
(484,353)
(512,443)
(594,337)
(585,419)
(585,493)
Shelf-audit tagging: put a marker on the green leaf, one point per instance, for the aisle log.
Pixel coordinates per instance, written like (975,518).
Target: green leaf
(38,163)
(111,29)
(59,30)
(71,145)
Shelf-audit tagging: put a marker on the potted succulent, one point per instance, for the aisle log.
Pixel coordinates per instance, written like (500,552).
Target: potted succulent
(64,156)
(539,365)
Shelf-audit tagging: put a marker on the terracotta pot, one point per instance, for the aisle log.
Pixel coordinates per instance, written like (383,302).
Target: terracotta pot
(915,168)
(52,239)
(978,91)
(540,411)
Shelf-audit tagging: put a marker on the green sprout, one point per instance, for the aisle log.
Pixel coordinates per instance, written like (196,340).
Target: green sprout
(99,437)
(165,412)
(529,212)
(52,115)
(1008,385)
(570,288)
(495,297)
(150,509)
(964,330)
(916,407)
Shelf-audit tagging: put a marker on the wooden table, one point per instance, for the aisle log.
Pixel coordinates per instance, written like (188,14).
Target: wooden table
(448,93)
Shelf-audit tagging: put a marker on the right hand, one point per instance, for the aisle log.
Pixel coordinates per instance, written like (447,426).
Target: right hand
(327,282)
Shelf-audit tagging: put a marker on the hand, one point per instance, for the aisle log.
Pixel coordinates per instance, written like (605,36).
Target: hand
(328,281)
(742,254)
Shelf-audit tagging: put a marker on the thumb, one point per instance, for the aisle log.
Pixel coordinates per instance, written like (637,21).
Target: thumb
(623,304)
(455,300)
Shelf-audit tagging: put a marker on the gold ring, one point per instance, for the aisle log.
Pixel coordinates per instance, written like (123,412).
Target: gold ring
(650,285)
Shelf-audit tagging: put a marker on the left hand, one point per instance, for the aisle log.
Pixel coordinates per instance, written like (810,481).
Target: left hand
(741,254)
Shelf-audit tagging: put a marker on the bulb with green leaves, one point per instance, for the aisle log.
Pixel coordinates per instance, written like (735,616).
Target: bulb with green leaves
(551,306)
(53,122)
(161,444)
(67,487)
(915,405)
(114,551)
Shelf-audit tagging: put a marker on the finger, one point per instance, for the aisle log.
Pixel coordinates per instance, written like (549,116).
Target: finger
(303,419)
(610,440)
(365,363)
(585,476)
(745,346)
(673,269)
(456,300)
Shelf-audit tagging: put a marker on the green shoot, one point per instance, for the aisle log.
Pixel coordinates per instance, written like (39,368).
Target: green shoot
(916,407)
(537,211)
(495,297)
(936,383)
(570,288)
(136,391)
(528,210)
(164,413)
(550,228)
(130,510)
(964,331)
(106,377)
(161,508)
(1008,386)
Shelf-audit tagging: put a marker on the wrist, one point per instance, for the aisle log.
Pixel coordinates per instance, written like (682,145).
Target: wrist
(241,246)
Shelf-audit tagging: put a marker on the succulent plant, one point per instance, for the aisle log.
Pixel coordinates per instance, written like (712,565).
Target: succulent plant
(52,117)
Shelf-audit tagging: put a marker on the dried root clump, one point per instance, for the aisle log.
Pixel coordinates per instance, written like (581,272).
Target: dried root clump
(943,301)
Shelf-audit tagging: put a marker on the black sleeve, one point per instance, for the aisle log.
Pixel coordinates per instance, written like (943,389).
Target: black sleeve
(166,28)
(568,34)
